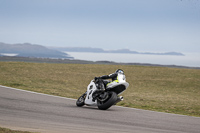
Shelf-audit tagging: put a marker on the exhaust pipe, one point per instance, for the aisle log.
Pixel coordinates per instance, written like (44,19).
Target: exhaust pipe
(120,98)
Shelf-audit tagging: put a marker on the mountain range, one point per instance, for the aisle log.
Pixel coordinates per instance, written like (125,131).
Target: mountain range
(30,50)
(39,51)
(99,50)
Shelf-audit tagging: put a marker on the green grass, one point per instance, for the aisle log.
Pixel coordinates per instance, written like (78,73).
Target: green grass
(6,130)
(171,90)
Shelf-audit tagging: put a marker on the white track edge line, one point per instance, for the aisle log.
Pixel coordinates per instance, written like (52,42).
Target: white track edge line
(36,93)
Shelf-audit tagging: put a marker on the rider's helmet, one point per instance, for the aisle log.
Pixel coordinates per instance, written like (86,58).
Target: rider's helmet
(120,71)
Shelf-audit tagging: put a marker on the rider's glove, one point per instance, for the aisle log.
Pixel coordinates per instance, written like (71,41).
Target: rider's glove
(96,78)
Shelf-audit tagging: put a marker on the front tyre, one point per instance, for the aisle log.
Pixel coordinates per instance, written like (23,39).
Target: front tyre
(108,103)
(81,100)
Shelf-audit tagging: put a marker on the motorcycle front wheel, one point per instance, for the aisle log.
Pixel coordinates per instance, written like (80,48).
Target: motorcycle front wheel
(81,100)
(107,103)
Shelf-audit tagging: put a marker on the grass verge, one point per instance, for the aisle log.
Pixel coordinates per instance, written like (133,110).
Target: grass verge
(171,90)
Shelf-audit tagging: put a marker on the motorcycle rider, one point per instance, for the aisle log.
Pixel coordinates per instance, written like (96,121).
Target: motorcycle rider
(101,84)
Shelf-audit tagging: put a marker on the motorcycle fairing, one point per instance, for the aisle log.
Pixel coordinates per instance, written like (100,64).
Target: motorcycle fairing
(90,90)
(117,87)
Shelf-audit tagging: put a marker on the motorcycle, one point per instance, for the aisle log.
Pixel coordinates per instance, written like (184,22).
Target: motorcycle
(106,96)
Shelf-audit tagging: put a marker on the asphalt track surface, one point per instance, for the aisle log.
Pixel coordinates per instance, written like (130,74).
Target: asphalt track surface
(29,111)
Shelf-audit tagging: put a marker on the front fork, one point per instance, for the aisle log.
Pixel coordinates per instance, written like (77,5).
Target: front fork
(84,95)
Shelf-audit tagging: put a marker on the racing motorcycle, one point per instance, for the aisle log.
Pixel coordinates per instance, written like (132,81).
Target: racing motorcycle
(106,95)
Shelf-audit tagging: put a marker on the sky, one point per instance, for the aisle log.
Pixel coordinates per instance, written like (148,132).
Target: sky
(140,25)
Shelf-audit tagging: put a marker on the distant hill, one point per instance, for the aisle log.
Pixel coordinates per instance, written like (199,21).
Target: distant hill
(30,50)
(78,49)
(99,50)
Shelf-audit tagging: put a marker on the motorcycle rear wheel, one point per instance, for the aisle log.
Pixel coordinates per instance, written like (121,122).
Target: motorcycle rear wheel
(108,103)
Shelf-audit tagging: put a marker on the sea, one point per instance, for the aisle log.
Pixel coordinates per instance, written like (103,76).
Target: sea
(189,60)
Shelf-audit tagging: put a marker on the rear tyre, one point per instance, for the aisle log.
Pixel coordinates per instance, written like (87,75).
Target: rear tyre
(109,102)
(81,100)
